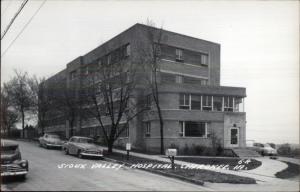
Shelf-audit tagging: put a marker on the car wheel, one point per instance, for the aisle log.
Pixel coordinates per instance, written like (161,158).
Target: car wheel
(22,177)
(66,151)
(79,154)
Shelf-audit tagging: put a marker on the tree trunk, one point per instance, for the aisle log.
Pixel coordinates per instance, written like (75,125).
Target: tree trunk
(23,123)
(71,130)
(161,123)
(109,146)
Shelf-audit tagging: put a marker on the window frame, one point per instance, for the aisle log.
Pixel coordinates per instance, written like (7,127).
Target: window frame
(148,129)
(227,101)
(73,75)
(179,54)
(183,129)
(204,62)
(203,104)
(184,105)
(127,50)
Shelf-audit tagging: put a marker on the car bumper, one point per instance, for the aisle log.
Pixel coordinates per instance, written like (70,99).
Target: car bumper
(53,145)
(13,173)
(91,154)
(13,169)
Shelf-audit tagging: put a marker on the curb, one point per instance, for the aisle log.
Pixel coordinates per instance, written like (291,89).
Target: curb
(198,182)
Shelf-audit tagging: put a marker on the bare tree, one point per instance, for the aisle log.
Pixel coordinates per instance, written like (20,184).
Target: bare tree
(150,57)
(19,94)
(9,116)
(110,96)
(41,103)
(63,101)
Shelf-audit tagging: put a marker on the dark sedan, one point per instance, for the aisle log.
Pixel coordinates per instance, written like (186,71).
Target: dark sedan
(11,162)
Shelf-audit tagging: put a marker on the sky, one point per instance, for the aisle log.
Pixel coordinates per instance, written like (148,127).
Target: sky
(259,46)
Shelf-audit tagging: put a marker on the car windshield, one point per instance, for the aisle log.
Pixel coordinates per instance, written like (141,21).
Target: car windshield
(85,140)
(9,149)
(54,136)
(267,145)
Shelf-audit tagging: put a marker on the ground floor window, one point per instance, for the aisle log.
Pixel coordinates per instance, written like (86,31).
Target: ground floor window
(193,129)
(125,132)
(147,129)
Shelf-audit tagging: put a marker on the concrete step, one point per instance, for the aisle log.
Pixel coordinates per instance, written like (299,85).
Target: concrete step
(245,152)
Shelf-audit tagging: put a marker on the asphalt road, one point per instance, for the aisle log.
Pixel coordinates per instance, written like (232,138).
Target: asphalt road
(45,175)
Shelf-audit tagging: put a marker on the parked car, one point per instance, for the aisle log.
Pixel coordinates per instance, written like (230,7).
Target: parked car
(11,162)
(50,140)
(264,149)
(82,146)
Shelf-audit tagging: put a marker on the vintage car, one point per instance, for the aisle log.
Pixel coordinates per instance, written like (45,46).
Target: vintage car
(11,161)
(50,141)
(82,147)
(264,149)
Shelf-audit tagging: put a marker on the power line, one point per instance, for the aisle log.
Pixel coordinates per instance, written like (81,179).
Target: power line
(13,19)
(24,28)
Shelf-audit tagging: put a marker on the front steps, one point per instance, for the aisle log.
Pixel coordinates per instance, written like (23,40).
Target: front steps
(245,152)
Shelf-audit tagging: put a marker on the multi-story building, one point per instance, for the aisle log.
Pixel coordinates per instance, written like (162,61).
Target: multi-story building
(195,108)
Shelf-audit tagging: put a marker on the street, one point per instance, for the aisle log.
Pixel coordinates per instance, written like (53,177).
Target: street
(45,174)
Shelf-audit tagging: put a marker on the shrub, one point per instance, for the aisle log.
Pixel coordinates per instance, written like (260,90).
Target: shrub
(198,150)
(220,150)
(284,149)
(186,150)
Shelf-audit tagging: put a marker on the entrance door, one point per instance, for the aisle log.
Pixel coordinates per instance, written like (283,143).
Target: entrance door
(234,137)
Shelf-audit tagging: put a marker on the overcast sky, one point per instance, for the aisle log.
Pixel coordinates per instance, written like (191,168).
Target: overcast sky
(259,46)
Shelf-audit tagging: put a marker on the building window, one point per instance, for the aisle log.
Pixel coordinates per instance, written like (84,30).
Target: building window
(179,79)
(167,78)
(127,50)
(157,50)
(125,132)
(204,59)
(228,103)
(217,103)
(184,101)
(191,80)
(73,75)
(204,82)
(193,129)
(195,102)
(148,129)
(207,103)
(108,59)
(179,55)
(238,104)
(85,70)
(148,101)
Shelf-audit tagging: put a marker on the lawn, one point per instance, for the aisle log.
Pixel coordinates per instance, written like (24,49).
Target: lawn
(292,170)
(232,162)
(194,174)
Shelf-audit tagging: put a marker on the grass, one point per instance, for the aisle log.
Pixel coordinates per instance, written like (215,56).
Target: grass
(194,174)
(292,170)
(232,162)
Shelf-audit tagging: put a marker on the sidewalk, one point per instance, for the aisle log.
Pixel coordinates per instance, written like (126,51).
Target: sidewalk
(289,159)
(264,173)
